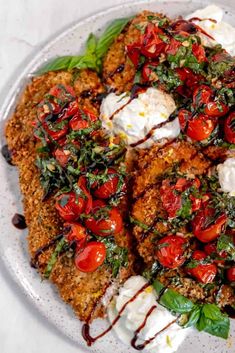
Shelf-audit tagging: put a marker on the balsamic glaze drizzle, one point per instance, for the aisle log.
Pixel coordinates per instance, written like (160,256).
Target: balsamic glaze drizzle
(7,154)
(18,220)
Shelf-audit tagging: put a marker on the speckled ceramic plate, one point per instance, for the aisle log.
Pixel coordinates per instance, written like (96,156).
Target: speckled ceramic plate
(13,247)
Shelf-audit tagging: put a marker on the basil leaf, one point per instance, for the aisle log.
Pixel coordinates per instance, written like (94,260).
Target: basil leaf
(61,63)
(225,243)
(109,35)
(62,244)
(116,256)
(213,321)
(193,316)
(91,44)
(173,300)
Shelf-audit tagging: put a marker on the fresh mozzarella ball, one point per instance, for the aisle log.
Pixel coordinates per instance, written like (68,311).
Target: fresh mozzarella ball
(134,119)
(222,32)
(134,315)
(226,172)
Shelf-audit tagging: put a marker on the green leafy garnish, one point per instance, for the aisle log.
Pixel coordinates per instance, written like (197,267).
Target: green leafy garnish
(116,256)
(60,247)
(94,52)
(204,317)
(225,243)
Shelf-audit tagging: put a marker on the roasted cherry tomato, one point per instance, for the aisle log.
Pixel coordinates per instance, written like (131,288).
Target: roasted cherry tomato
(91,257)
(200,127)
(109,187)
(152,44)
(82,183)
(183,116)
(170,199)
(173,46)
(133,53)
(204,273)
(211,250)
(148,73)
(231,274)
(70,206)
(64,93)
(105,220)
(199,53)
(229,128)
(189,79)
(202,95)
(75,232)
(82,120)
(170,251)
(204,232)
(62,156)
(216,109)
(70,110)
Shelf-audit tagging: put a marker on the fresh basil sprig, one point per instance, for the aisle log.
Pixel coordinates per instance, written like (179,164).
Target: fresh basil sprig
(94,52)
(204,317)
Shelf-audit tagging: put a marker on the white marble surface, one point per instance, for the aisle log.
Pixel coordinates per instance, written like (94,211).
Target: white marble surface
(24,24)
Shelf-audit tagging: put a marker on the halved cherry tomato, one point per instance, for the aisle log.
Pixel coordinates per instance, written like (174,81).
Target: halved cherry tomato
(104,221)
(173,46)
(152,44)
(231,274)
(170,251)
(82,120)
(216,109)
(199,53)
(229,128)
(76,232)
(91,257)
(82,183)
(63,93)
(109,187)
(70,206)
(148,73)
(183,116)
(62,156)
(206,233)
(184,26)
(171,201)
(133,52)
(211,250)
(190,81)
(204,273)
(200,127)
(202,95)
(70,110)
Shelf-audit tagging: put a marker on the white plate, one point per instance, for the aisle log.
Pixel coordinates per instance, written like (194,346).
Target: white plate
(13,246)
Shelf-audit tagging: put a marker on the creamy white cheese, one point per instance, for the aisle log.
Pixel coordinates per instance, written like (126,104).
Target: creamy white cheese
(133,119)
(222,32)
(226,172)
(135,312)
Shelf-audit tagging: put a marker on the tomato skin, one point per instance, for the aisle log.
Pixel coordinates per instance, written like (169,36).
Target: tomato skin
(229,128)
(76,232)
(200,127)
(72,208)
(216,109)
(211,232)
(231,274)
(64,93)
(133,52)
(62,156)
(173,46)
(199,53)
(104,227)
(183,116)
(152,44)
(91,257)
(82,183)
(202,95)
(171,202)
(211,249)
(148,73)
(70,110)
(204,273)
(78,122)
(108,188)
(170,251)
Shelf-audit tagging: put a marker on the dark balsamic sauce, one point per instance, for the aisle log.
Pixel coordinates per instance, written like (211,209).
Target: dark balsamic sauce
(18,221)
(134,339)
(34,260)
(120,109)
(86,327)
(7,154)
(150,133)
(228,309)
(118,70)
(141,346)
